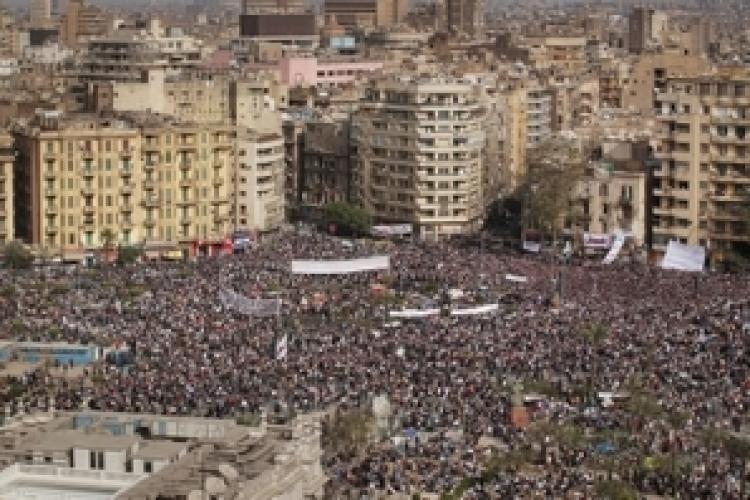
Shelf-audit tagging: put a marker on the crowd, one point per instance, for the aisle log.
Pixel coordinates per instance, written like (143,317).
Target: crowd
(674,343)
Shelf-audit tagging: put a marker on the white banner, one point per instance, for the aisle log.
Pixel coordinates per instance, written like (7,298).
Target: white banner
(597,241)
(516,278)
(250,307)
(392,230)
(471,311)
(377,263)
(684,257)
(531,246)
(414,313)
(616,248)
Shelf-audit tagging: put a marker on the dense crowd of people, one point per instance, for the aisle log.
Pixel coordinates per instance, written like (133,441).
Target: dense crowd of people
(672,348)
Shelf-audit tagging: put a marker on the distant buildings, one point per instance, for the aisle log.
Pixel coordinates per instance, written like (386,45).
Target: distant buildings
(371,13)
(465,17)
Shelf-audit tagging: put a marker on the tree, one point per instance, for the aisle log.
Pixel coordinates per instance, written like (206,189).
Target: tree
(348,220)
(128,255)
(16,256)
(553,169)
(738,449)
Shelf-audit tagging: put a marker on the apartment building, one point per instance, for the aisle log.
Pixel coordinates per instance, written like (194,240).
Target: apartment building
(702,183)
(7,155)
(560,54)
(187,179)
(77,182)
(540,102)
(513,111)
(419,152)
(465,17)
(81,21)
(326,173)
(365,12)
(259,201)
(84,181)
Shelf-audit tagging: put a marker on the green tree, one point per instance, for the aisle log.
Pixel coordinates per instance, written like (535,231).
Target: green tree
(348,219)
(128,255)
(738,449)
(16,256)
(615,490)
(553,169)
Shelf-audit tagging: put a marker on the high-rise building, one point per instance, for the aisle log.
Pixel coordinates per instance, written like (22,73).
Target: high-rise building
(40,14)
(365,12)
(465,17)
(6,189)
(419,154)
(81,21)
(640,25)
(259,196)
(702,182)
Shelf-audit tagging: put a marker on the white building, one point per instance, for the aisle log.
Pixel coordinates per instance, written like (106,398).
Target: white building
(419,154)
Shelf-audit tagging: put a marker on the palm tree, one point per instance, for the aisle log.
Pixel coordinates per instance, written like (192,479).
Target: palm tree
(108,238)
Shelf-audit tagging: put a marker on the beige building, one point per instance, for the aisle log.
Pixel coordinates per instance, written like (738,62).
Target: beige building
(649,73)
(420,144)
(513,112)
(77,182)
(371,13)
(6,189)
(259,199)
(560,54)
(81,21)
(466,17)
(40,13)
(702,183)
(85,180)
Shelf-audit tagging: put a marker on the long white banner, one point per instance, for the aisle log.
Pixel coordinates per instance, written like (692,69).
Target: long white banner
(472,311)
(684,257)
(426,313)
(348,266)
(414,313)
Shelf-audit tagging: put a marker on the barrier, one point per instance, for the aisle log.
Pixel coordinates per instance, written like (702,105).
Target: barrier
(473,311)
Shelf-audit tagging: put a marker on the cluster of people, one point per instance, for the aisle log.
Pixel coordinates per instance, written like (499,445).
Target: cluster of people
(671,348)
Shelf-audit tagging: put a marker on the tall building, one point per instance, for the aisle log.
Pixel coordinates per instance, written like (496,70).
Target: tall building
(259,197)
(419,153)
(6,189)
(81,21)
(640,25)
(702,182)
(365,12)
(465,17)
(40,13)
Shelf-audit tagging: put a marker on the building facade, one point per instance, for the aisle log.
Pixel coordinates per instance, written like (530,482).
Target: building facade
(85,182)
(7,155)
(419,153)
(702,182)
(259,201)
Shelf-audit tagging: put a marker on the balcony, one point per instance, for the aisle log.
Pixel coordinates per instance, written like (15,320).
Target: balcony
(50,192)
(186,165)
(185,220)
(218,181)
(49,175)
(186,182)
(151,201)
(185,202)
(126,171)
(126,208)
(127,188)
(88,171)
(87,190)
(149,184)
(149,222)
(87,154)
(88,209)
(51,229)
(221,200)
(51,210)
(127,153)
